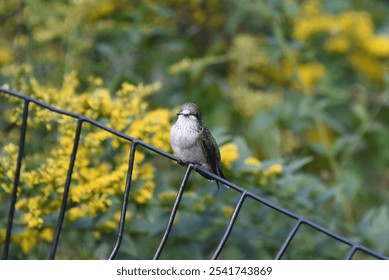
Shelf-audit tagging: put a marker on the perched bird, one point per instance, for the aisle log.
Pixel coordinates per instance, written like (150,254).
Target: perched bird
(193,143)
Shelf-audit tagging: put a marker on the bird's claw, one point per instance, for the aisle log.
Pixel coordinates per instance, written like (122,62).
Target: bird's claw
(181,162)
(196,166)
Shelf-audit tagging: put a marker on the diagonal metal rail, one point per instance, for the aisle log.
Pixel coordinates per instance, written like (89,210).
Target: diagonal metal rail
(299,220)
(125,202)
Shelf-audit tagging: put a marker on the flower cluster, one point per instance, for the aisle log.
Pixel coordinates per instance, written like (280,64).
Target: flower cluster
(350,34)
(102,158)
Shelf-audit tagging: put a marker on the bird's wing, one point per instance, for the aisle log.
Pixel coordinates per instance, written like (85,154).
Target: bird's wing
(211,151)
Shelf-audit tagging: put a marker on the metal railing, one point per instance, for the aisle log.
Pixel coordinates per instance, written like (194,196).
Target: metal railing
(299,221)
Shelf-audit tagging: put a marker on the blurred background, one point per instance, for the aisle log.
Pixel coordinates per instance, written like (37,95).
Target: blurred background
(295,92)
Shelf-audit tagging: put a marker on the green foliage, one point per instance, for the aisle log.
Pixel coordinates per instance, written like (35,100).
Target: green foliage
(295,92)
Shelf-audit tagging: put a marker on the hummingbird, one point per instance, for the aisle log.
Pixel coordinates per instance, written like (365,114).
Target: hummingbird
(193,143)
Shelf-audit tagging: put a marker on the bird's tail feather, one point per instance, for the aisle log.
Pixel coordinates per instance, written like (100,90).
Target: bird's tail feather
(219,172)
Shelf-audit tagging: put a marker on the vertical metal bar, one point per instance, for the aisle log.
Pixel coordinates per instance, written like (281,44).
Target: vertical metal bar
(14,195)
(119,236)
(173,213)
(66,190)
(351,252)
(288,240)
(230,226)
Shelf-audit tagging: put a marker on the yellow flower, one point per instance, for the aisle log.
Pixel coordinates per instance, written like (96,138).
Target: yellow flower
(322,134)
(273,170)
(167,196)
(75,213)
(309,74)
(354,25)
(311,7)
(229,153)
(33,220)
(338,44)
(378,46)
(6,56)
(180,66)
(47,234)
(11,148)
(251,101)
(253,161)
(97,234)
(109,225)
(306,27)
(368,66)
(126,89)
(22,202)
(102,8)
(199,207)
(145,193)
(2,235)
(227,211)
(27,239)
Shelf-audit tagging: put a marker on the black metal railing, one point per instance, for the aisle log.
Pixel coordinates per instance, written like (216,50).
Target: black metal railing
(299,220)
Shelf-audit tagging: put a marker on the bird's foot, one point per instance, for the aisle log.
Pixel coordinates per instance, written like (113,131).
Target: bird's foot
(181,162)
(196,166)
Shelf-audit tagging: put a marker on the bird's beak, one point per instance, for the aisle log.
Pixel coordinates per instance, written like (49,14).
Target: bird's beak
(184,113)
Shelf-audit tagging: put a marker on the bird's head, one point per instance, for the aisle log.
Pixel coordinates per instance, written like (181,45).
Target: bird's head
(191,111)
(190,116)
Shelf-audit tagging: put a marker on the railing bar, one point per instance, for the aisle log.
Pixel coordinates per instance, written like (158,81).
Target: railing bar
(287,241)
(173,212)
(358,247)
(229,227)
(351,252)
(40,103)
(14,194)
(329,233)
(125,201)
(66,190)
(344,240)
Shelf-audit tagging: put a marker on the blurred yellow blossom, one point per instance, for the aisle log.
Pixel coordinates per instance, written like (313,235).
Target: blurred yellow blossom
(167,196)
(273,170)
(11,149)
(33,219)
(251,101)
(309,74)
(101,8)
(47,234)
(338,44)
(126,89)
(180,66)
(227,211)
(253,161)
(2,234)
(6,55)
(311,7)
(348,32)
(368,66)
(229,153)
(26,239)
(145,193)
(378,46)
(199,207)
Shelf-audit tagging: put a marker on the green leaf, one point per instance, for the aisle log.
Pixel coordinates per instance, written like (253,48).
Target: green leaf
(297,164)
(374,226)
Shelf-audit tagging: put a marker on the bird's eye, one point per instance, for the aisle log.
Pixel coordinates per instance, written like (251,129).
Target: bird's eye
(193,117)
